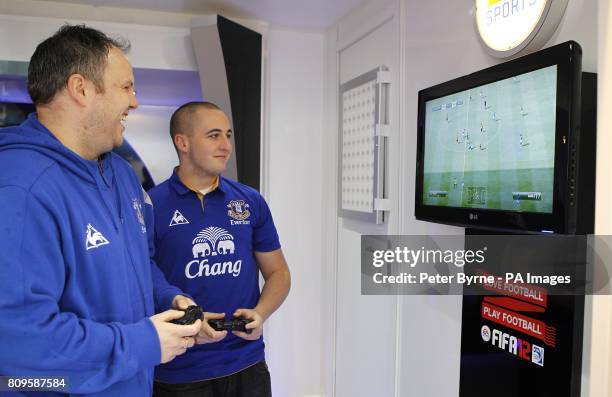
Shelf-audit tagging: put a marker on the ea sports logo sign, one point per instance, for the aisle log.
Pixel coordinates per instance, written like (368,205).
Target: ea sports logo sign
(508,26)
(485,333)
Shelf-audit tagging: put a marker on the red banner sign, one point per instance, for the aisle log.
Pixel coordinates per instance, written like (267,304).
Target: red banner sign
(527,325)
(526,292)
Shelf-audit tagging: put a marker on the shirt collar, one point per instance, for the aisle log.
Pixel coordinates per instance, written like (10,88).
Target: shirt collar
(182,189)
(222,184)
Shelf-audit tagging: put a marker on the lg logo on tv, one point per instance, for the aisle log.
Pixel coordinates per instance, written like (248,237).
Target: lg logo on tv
(473,217)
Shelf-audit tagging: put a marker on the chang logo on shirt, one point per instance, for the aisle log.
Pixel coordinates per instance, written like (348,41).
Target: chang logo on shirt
(212,242)
(238,210)
(93,238)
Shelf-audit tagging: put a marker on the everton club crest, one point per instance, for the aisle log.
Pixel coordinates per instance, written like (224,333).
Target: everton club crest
(138,209)
(238,210)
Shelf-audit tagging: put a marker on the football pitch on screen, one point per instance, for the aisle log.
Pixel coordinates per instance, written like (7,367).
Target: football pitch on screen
(493,146)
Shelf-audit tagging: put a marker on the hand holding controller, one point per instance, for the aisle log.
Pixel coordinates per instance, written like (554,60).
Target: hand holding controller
(192,314)
(234,324)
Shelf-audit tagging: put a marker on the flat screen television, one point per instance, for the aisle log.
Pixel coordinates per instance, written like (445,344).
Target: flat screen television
(500,148)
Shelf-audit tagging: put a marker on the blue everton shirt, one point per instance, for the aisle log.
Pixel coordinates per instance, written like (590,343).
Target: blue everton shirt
(204,245)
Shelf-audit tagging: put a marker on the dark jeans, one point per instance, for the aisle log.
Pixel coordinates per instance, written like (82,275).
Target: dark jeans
(253,381)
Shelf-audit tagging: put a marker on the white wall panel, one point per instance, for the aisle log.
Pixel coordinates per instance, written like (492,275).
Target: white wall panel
(597,360)
(294,142)
(154,47)
(365,338)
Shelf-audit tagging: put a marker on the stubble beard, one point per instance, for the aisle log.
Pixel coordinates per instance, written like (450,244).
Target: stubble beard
(101,137)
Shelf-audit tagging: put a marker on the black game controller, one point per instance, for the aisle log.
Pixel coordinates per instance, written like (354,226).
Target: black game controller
(192,314)
(235,324)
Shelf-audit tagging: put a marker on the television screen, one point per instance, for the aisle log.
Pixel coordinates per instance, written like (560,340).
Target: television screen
(504,148)
(493,146)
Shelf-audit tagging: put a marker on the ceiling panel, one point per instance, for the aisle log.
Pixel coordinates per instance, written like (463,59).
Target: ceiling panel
(309,14)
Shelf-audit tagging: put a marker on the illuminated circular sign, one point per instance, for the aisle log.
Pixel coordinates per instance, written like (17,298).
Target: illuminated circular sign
(507,27)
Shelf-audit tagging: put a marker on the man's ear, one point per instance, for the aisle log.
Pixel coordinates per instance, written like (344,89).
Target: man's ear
(181,142)
(80,89)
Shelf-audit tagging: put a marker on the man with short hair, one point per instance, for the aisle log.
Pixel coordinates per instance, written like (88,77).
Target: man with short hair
(77,285)
(212,237)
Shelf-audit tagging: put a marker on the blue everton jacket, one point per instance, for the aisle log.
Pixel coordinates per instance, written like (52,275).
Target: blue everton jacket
(77,284)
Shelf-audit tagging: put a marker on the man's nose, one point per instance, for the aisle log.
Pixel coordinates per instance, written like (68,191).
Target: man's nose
(226,143)
(133,100)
